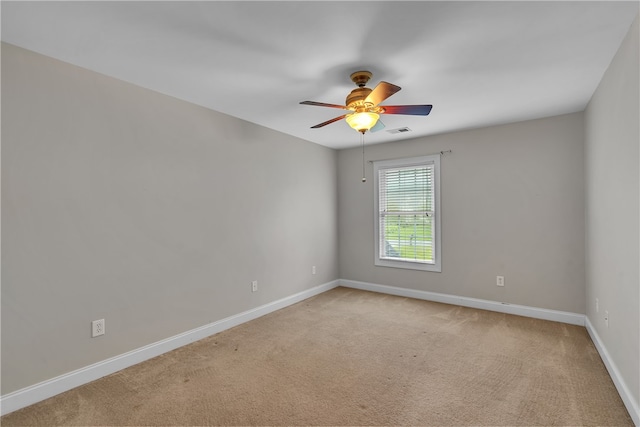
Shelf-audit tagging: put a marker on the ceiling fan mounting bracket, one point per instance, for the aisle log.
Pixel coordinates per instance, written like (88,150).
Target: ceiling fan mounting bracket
(360,78)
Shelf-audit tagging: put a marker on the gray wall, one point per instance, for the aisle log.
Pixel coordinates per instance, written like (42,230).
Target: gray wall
(512,205)
(153,213)
(612,159)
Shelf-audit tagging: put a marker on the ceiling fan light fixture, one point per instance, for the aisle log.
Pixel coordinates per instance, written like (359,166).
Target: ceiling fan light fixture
(364,105)
(362,122)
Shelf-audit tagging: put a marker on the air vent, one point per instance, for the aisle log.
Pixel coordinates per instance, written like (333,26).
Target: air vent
(399,130)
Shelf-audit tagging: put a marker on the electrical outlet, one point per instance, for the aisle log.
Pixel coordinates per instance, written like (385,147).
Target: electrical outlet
(606,318)
(313,269)
(254,286)
(499,280)
(597,306)
(97,328)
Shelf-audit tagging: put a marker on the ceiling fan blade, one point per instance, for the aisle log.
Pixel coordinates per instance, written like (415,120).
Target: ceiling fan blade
(381,92)
(323,104)
(413,110)
(378,126)
(328,122)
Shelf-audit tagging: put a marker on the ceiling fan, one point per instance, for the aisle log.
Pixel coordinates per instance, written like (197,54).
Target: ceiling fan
(364,104)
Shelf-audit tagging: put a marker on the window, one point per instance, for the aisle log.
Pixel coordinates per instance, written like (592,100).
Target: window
(407,209)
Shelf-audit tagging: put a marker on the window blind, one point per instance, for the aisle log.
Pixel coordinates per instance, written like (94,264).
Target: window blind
(406,203)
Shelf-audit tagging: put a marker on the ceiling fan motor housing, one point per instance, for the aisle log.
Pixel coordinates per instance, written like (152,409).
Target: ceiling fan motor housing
(356,98)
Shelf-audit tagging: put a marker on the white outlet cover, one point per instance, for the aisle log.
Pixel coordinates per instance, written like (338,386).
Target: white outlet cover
(97,328)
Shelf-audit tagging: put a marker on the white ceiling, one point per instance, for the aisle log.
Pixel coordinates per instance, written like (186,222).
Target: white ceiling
(479,63)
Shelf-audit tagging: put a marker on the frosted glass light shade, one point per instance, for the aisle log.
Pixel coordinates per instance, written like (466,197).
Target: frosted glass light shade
(362,122)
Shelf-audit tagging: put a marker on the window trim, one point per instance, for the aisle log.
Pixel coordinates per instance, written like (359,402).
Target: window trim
(407,162)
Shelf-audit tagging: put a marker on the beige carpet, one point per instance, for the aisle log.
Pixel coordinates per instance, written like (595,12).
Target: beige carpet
(349,357)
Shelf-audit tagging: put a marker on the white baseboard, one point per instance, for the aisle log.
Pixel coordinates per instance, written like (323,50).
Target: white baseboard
(629,402)
(46,389)
(520,310)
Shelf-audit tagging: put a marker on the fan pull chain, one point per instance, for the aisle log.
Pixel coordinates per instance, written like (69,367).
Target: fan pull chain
(364,178)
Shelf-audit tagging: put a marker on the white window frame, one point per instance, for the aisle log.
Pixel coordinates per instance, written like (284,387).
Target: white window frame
(434,160)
